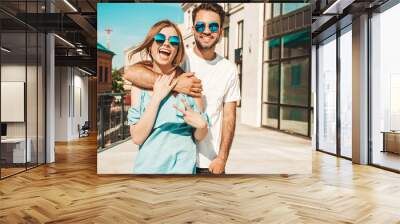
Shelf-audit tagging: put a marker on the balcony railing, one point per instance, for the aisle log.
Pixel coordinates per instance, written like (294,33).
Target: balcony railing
(111,120)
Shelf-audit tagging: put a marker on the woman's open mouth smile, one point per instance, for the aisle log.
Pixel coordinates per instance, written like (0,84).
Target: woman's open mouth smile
(164,53)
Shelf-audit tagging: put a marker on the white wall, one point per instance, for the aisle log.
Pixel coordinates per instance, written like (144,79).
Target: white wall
(16,73)
(61,103)
(70,83)
(233,31)
(252,62)
(79,117)
(186,27)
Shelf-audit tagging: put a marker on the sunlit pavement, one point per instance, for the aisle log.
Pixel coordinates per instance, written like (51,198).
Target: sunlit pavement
(254,151)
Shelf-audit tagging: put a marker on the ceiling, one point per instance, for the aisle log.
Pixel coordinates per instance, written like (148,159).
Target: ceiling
(337,14)
(74,22)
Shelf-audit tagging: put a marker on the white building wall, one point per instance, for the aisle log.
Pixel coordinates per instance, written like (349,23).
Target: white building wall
(252,64)
(186,27)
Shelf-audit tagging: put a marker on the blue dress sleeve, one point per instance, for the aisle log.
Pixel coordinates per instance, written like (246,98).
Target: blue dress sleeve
(135,112)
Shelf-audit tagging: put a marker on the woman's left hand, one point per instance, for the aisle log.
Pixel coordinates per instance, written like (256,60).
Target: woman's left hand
(191,117)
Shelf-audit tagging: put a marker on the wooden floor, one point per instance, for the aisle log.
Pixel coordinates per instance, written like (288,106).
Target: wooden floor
(70,191)
(387,159)
(10,171)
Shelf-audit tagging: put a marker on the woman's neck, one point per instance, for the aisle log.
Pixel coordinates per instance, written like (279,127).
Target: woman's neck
(166,69)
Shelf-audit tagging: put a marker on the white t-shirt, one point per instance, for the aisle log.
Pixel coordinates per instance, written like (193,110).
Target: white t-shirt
(220,82)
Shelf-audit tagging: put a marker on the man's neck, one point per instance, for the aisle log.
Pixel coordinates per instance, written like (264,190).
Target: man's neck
(208,54)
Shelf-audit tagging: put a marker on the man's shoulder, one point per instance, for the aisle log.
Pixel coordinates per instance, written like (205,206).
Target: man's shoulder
(228,66)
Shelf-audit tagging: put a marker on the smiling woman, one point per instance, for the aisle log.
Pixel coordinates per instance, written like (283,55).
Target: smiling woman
(141,17)
(154,44)
(165,125)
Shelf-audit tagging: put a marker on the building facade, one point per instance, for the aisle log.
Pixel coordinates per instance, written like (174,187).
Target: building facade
(287,99)
(104,69)
(273,64)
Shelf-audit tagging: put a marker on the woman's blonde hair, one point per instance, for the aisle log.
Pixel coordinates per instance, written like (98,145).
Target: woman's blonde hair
(144,48)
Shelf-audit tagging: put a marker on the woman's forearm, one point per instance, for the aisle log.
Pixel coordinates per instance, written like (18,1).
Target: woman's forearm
(141,130)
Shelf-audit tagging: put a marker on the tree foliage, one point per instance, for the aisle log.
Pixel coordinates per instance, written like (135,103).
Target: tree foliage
(117,82)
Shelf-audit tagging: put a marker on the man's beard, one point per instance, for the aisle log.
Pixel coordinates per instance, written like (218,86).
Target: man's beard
(202,47)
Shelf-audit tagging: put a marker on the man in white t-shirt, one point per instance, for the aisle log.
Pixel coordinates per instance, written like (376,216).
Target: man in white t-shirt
(208,71)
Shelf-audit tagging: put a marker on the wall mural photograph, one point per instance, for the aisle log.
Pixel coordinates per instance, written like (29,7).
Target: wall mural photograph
(193,88)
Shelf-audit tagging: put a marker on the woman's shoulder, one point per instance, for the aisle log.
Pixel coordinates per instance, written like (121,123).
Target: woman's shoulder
(136,91)
(137,95)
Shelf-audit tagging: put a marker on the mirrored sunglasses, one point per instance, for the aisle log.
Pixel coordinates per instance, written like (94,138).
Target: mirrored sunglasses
(160,38)
(200,27)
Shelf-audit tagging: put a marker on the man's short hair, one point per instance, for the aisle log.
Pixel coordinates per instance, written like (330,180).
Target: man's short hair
(214,7)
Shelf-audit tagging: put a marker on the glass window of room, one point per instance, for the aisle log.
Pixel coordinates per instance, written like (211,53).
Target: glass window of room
(346,92)
(385,89)
(13,85)
(22,83)
(326,95)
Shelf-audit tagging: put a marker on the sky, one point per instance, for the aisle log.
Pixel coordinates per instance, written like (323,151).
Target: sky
(130,23)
